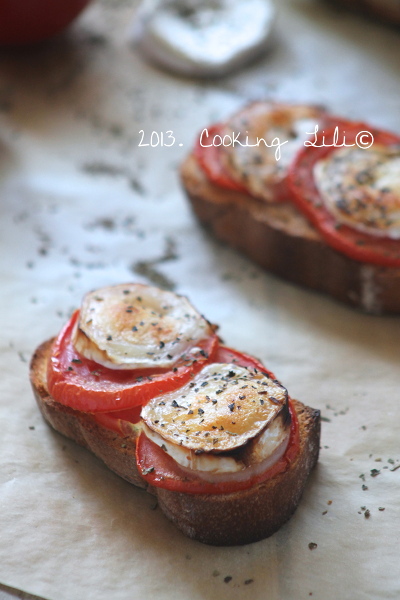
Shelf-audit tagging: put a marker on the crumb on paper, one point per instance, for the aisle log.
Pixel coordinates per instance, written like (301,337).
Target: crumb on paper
(312,545)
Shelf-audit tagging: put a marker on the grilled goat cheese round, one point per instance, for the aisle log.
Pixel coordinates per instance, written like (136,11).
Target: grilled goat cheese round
(225,409)
(361,188)
(135,326)
(270,136)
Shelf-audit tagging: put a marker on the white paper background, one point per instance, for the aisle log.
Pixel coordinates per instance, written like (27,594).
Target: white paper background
(81,205)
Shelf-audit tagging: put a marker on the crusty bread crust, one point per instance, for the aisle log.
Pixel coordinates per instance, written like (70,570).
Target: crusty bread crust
(81,427)
(280,239)
(219,519)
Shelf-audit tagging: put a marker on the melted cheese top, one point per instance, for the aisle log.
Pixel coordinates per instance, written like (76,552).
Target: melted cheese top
(361,188)
(221,409)
(256,166)
(134,326)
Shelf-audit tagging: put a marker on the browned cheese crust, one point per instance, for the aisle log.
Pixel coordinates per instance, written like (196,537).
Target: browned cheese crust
(279,239)
(219,519)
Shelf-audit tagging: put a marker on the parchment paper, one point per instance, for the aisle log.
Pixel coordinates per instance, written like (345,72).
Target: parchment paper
(83,206)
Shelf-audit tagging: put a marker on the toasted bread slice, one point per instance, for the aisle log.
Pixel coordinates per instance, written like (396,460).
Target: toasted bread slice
(220,519)
(280,239)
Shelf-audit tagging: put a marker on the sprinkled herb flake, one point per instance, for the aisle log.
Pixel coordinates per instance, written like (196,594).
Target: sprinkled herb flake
(312,545)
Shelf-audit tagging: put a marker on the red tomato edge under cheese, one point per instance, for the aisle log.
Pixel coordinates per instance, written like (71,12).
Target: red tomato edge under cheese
(161,470)
(86,386)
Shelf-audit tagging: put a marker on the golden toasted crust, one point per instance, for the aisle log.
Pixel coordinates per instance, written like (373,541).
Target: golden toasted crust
(280,239)
(219,519)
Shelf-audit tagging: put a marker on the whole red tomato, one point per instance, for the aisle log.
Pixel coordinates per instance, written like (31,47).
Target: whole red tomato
(28,21)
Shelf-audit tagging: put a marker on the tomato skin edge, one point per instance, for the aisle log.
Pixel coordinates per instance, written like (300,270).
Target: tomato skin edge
(119,421)
(208,159)
(65,383)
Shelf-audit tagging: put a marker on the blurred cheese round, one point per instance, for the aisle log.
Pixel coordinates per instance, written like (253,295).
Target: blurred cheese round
(361,188)
(203,37)
(134,326)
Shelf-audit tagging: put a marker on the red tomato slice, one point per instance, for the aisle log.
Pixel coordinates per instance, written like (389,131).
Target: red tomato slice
(354,244)
(87,386)
(228,355)
(28,21)
(160,470)
(118,421)
(208,158)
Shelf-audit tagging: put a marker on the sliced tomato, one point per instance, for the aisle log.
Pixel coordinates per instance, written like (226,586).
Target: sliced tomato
(119,421)
(87,386)
(354,244)
(160,470)
(208,158)
(228,355)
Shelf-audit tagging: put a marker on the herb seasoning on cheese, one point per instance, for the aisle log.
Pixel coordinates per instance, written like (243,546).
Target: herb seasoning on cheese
(223,407)
(133,326)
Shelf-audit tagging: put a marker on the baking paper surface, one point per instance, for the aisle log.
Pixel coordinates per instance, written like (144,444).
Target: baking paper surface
(83,206)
